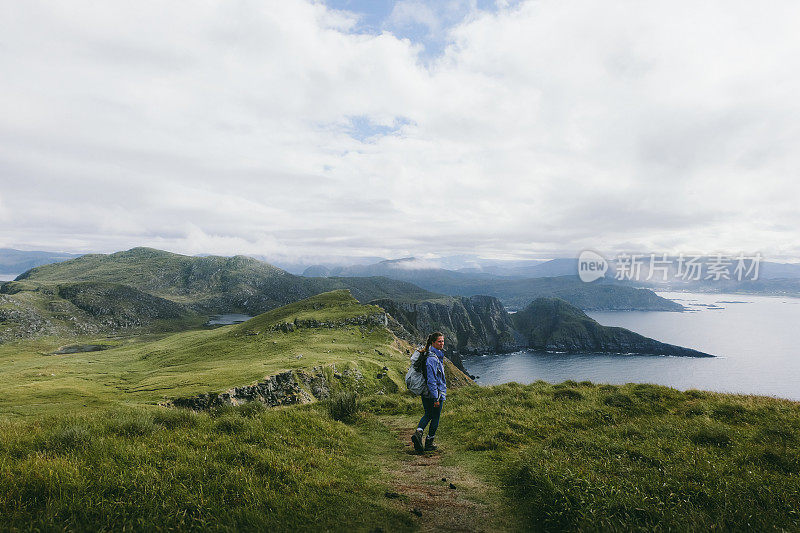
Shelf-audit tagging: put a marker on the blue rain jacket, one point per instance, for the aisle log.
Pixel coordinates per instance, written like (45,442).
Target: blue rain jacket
(437,387)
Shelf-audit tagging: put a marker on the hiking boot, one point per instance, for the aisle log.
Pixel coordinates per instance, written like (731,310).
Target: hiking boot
(416,438)
(429,446)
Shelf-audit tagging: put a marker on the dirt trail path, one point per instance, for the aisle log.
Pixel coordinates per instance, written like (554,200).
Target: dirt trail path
(420,487)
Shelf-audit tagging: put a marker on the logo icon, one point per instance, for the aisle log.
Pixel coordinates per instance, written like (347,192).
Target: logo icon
(591,266)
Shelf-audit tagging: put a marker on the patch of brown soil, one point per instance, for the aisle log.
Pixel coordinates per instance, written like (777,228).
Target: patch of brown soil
(419,483)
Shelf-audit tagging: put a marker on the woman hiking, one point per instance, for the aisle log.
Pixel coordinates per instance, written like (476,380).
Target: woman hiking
(431,362)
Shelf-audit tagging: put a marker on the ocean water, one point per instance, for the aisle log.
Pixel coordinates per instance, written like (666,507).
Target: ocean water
(755,340)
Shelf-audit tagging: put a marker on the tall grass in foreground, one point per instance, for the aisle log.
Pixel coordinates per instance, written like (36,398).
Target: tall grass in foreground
(631,458)
(568,457)
(344,405)
(243,468)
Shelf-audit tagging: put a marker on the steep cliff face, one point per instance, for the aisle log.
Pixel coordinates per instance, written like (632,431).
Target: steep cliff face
(553,324)
(475,324)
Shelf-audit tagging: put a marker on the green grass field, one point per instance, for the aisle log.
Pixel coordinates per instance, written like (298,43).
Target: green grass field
(588,457)
(148,469)
(150,369)
(84,444)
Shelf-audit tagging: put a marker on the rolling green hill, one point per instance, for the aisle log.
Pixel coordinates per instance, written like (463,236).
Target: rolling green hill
(29,310)
(84,443)
(209,283)
(321,331)
(213,284)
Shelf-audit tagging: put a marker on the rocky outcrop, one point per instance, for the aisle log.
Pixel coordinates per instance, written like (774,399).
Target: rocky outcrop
(456,377)
(475,324)
(552,324)
(280,389)
(377,319)
(287,388)
(19,319)
(30,309)
(316,381)
(127,306)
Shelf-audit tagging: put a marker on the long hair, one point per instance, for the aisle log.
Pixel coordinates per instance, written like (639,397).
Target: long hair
(423,353)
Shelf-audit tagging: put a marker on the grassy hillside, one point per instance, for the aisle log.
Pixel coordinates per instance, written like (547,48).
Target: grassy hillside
(566,457)
(638,457)
(29,309)
(140,469)
(213,284)
(589,457)
(85,445)
(331,308)
(204,281)
(147,370)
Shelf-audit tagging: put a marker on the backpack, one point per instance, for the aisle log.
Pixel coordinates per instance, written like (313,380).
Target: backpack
(416,380)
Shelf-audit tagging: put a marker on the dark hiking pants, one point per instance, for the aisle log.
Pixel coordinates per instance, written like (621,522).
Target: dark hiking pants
(431,415)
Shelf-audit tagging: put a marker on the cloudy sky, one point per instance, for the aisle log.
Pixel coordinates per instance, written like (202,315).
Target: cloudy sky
(351,128)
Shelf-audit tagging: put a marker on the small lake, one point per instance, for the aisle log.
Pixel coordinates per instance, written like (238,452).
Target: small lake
(227,319)
(755,339)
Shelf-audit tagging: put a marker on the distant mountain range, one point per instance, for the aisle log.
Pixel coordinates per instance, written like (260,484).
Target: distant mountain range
(517,285)
(211,284)
(244,284)
(16,261)
(773,279)
(408,266)
(515,293)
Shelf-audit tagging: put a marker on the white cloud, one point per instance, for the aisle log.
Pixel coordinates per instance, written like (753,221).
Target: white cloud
(415,12)
(415,264)
(545,127)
